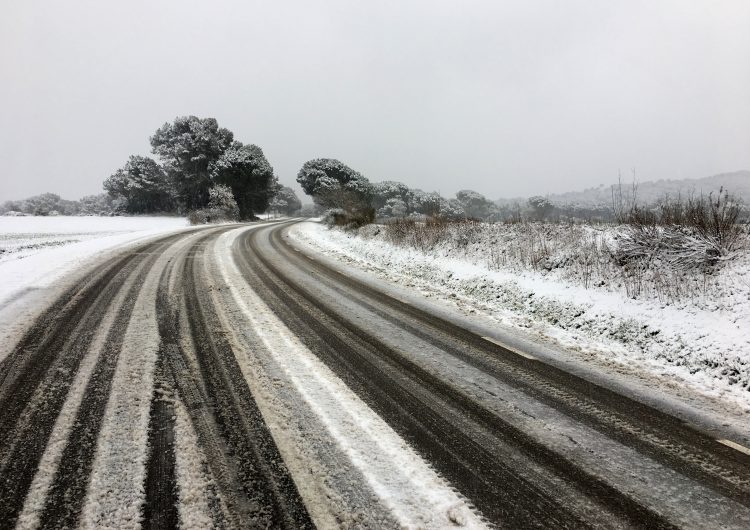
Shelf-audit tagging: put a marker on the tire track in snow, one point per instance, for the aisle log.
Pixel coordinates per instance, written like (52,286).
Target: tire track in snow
(48,465)
(401,391)
(270,494)
(253,482)
(412,493)
(116,485)
(160,510)
(37,376)
(67,494)
(198,500)
(197,441)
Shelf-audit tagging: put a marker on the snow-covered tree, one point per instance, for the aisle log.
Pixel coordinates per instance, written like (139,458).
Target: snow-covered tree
(246,171)
(187,147)
(393,208)
(475,204)
(142,186)
(102,204)
(452,209)
(389,189)
(221,199)
(435,205)
(52,204)
(43,204)
(427,203)
(285,201)
(333,184)
(540,207)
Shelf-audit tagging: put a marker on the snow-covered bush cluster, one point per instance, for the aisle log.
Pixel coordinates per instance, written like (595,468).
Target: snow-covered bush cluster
(396,200)
(696,232)
(222,207)
(593,256)
(51,204)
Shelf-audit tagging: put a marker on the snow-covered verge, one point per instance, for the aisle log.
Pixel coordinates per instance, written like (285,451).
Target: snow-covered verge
(41,256)
(690,329)
(37,251)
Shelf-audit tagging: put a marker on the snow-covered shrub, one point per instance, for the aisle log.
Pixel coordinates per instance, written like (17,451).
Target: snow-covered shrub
(430,232)
(587,255)
(204,216)
(694,233)
(393,208)
(222,207)
(334,217)
(221,198)
(349,220)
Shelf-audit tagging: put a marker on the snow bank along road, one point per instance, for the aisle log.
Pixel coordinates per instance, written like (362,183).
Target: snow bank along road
(222,378)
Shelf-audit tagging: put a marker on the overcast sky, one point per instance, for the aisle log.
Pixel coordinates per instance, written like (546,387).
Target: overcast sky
(510,98)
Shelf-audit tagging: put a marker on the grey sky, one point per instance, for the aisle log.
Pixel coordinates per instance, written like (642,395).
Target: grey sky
(507,98)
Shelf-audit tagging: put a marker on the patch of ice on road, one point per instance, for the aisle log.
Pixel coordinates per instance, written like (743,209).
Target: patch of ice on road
(415,494)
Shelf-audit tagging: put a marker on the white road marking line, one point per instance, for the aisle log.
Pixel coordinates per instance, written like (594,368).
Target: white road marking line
(735,445)
(503,345)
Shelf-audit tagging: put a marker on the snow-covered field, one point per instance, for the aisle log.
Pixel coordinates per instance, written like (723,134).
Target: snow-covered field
(694,333)
(36,251)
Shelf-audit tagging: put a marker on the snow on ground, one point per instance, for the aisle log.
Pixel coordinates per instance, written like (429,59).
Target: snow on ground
(36,251)
(702,341)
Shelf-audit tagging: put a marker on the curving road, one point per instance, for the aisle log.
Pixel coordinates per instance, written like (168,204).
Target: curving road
(223,378)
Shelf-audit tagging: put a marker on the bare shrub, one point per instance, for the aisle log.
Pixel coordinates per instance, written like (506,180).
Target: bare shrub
(695,232)
(429,233)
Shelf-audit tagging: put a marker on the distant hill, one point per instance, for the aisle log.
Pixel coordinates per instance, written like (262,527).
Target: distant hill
(737,183)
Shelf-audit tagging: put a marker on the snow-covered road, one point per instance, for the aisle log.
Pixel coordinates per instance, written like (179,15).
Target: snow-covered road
(221,377)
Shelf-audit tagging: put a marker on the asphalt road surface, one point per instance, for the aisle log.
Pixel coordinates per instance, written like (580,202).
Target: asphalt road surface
(174,385)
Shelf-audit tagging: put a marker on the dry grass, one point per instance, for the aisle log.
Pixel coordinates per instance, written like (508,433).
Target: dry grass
(594,256)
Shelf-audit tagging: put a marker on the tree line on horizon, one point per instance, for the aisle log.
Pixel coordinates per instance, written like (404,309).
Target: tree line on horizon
(351,199)
(204,173)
